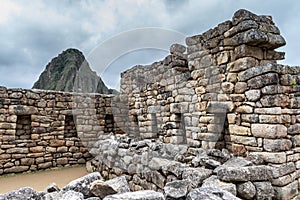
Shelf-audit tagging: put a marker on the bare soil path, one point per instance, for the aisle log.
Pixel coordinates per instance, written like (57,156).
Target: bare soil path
(40,180)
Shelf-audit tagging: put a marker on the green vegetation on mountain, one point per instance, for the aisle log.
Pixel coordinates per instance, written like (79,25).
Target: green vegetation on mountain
(67,70)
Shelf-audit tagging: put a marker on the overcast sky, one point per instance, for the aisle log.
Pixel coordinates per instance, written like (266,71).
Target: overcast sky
(32,32)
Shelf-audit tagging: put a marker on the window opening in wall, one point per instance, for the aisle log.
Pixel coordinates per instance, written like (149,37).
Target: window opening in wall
(109,123)
(23,128)
(135,127)
(70,127)
(154,123)
(180,119)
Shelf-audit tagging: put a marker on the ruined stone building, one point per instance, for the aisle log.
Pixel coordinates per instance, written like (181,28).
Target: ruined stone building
(224,90)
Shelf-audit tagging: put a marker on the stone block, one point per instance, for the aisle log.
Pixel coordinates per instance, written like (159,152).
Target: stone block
(263,80)
(270,131)
(271,111)
(62,161)
(240,87)
(16,169)
(196,175)
(251,141)
(213,181)
(246,190)
(277,145)
(248,51)
(264,190)
(244,109)
(37,149)
(45,165)
(227,87)
(270,157)
(294,129)
(286,192)
(176,189)
(239,130)
(253,95)
(241,64)
(143,194)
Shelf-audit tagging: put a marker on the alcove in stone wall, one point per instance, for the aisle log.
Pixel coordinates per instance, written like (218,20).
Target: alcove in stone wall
(109,123)
(70,127)
(23,128)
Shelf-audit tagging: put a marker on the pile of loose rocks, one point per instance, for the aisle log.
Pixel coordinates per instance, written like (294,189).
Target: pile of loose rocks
(92,187)
(195,173)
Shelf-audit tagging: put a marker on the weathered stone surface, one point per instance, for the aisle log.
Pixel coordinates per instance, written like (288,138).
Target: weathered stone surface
(101,189)
(253,95)
(263,80)
(275,100)
(241,64)
(177,48)
(270,157)
(272,111)
(70,194)
(83,184)
(264,190)
(173,167)
(268,131)
(119,184)
(23,193)
(277,145)
(196,175)
(248,51)
(213,181)
(287,192)
(233,162)
(138,195)
(177,189)
(157,163)
(246,190)
(210,193)
(283,169)
(251,173)
(241,87)
(294,129)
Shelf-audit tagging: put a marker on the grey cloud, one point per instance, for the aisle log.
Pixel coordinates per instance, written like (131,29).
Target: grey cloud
(29,40)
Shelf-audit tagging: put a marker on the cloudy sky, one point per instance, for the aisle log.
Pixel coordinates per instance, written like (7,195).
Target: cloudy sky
(32,32)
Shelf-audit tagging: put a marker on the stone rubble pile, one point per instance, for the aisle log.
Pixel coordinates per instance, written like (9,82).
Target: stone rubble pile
(178,170)
(202,174)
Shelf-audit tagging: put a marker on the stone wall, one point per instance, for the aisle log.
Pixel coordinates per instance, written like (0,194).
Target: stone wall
(224,90)
(47,129)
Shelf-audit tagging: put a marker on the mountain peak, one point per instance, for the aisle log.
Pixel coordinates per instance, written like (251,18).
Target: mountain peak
(60,74)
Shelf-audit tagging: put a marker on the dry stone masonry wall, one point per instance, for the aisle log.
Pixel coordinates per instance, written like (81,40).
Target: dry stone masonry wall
(217,117)
(46,129)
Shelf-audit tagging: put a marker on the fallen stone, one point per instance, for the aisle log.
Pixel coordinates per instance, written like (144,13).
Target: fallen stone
(20,194)
(196,175)
(101,189)
(246,190)
(51,196)
(213,181)
(233,162)
(210,193)
(177,189)
(83,184)
(119,184)
(71,195)
(138,195)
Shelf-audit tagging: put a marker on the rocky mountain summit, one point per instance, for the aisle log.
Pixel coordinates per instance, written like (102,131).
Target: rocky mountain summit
(69,68)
